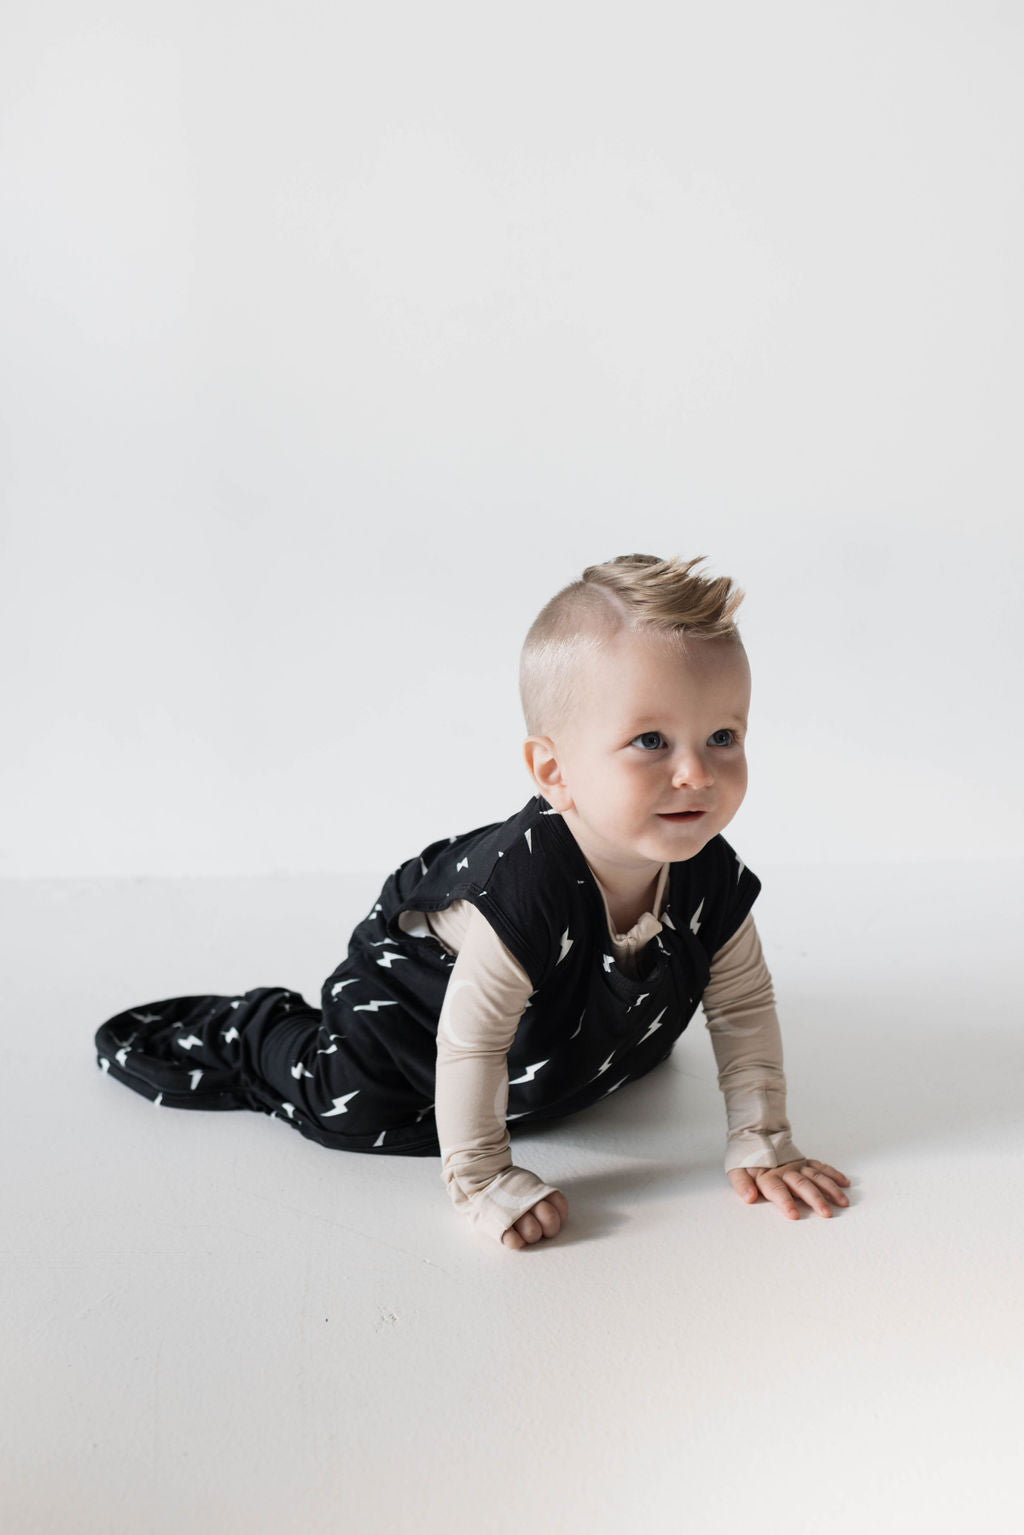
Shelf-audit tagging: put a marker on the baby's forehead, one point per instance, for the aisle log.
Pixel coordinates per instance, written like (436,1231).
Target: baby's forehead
(630,655)
(639,674)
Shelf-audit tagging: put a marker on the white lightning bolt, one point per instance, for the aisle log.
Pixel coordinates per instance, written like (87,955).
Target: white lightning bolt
(104,1063)
(340,986)
(579,1025)
(615,1088)
(742,866)
(424,1112)
(641,998)
(463,863)
(147,1017)
(667,920)
(298,1070)
(237,1002)
(371,914)
(695,919)
(229,1035)
(387,960)
(197,1077)
(340,1106)
(186,1044)
(121,1056)
(380,1139)
(333,1046)
(371,1007)
(158,1100)
(567,944)
(608,961)
(423,867)
(529,843)
(601,1070)
(289,1109)
(655,1025)
(528,1074)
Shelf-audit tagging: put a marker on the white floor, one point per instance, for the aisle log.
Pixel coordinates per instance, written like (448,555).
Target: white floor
(213,1325)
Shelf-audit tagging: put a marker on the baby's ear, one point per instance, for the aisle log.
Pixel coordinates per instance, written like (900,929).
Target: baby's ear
(543,767)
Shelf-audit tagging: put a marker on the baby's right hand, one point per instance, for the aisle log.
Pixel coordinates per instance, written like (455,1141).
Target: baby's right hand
(545,1219)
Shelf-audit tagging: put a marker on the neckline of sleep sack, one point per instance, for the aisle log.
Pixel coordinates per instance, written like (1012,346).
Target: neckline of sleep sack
(614,976)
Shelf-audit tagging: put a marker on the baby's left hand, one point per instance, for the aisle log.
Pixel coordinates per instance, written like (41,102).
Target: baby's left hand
(814,1182)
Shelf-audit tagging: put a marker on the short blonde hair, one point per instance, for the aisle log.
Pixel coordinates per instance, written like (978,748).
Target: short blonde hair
(637,592)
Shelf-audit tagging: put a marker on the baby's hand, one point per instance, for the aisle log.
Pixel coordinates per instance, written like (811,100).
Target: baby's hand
(545,1219)
(814,1182)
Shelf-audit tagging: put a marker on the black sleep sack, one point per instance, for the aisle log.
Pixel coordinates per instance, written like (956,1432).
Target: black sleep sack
(357,1073)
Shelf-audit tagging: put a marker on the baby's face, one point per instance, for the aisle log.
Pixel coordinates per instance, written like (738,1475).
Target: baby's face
(652,764)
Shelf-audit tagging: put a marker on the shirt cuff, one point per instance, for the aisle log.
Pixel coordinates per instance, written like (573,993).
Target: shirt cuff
(496,1207)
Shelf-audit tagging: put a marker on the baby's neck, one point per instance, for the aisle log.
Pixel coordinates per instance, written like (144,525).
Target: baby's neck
(629,886)
(627,900)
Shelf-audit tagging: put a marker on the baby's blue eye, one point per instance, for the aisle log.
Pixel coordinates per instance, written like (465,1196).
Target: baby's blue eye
(649,741)
(715,741)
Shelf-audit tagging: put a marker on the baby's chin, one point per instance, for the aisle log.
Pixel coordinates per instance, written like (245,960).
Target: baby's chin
(682,836)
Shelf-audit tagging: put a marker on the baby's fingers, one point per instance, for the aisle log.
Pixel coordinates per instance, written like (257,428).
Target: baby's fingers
(544,1220)
(831,1173)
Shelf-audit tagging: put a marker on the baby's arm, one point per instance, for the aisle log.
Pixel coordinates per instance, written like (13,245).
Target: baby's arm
(739,1007)
(486,994)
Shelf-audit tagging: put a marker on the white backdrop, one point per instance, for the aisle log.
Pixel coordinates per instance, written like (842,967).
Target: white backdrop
(337,337)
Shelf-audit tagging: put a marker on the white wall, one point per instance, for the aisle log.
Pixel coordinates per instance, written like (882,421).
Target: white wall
(337,335)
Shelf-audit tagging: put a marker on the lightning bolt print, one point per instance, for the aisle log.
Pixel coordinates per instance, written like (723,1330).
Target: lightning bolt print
(196,1077)
(371,1007)
(298,1071)
(147,1017)
(340,1106)
(339,987)
(387,960)
(230,1035)
(602,1069)
(529,1074)
(528,834)
(186,1044)
(667,920)
(567,944)
(741,867)
(695,919)
(655,1026)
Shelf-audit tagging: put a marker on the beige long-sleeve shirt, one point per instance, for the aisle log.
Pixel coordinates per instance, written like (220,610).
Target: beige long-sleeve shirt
(486,994)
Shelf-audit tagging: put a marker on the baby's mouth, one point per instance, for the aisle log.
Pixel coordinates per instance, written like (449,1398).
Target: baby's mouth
(681,815)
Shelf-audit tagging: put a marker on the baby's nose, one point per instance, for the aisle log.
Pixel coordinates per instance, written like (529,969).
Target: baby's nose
(693,769)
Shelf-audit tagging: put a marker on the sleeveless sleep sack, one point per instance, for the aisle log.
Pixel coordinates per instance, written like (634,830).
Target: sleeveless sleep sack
(357,1073)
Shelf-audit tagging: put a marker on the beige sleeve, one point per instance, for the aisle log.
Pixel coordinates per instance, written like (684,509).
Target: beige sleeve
(487,991)
(739,1008)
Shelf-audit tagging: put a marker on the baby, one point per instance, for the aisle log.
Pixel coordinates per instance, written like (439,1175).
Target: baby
(524,970)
